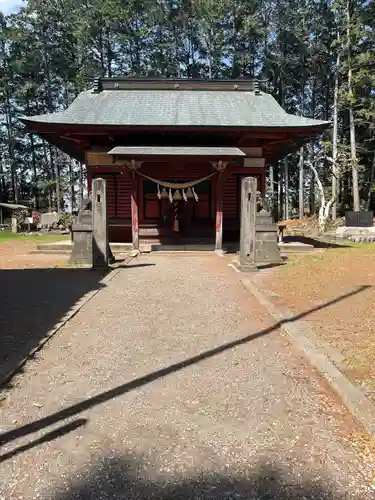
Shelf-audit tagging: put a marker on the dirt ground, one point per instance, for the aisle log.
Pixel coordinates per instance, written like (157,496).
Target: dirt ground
(344,273)
(197,396)
(305,282)
(36,291)
(15,254)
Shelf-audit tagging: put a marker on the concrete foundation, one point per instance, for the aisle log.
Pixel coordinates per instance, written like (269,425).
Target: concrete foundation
(345,232)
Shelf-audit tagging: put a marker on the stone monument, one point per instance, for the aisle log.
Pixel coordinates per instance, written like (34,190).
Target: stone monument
(101,252)
(90,230)
(258,237)
(82,239)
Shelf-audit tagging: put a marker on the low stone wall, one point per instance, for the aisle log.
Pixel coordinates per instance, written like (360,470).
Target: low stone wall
(356,234)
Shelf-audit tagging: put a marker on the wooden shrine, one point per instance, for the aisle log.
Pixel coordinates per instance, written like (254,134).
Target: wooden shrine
(173,152)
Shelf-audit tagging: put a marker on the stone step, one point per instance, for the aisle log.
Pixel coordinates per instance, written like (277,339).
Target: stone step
(175,241)
(182,248)
(156,231)
(51,251)
(65,248)
(57,246)
(156,245)
(295,247)
(121,247)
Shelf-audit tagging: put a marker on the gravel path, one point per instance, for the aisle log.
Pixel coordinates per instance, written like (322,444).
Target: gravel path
(171,383)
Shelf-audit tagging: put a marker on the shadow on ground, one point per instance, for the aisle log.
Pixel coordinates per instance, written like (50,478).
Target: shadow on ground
(129,477)
(119,390)
(32,301)
(315,242)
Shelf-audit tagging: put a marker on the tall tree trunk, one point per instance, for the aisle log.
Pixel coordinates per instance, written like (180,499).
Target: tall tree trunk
(312,195)
(33,162)
(109,52)
(276,191)
(335,175)
(280,188)
(353,146)
(10,134)
(371,183)
(9,125)
(301,197)
(286,184)
(209,44)
(235,30)
(2,182)
(35,173)
(49,175)
(56,173)
(102,48)
(325,206)
(80,185)
(345,190)
(52,160)
(71,183)
(272,181)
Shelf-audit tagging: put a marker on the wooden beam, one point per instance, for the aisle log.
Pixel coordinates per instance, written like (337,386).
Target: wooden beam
(219,214)
(222,176)
(124,83)
(253,152)
(134,210)
(98,158)
(254,162)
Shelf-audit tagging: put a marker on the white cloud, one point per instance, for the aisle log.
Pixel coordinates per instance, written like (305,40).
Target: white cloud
(9,6)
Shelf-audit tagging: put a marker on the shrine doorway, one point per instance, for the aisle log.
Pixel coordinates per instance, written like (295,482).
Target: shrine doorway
(188,217)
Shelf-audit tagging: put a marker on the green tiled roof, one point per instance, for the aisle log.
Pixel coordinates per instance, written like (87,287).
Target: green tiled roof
(206,108)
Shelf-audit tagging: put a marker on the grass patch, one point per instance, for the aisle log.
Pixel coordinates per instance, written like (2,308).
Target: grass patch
(33,238)
(310,280)
(356,250)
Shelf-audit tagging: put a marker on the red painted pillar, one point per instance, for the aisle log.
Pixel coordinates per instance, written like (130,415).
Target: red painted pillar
(219,213)
(134,208)
(89,179)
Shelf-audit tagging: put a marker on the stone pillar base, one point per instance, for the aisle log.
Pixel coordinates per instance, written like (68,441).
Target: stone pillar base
(266,246)
(82,240)
(244,267)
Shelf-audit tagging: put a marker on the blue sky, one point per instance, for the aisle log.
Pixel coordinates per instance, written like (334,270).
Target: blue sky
(9,6)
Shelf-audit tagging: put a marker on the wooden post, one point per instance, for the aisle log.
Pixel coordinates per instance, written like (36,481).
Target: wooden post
(286,184)
(248,221)
(14,223)
(134,208)
(219,214)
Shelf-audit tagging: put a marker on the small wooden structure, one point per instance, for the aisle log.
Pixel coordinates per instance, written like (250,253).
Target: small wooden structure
(173,152)
(13,208)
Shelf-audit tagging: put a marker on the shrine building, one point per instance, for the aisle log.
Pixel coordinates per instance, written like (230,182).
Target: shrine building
(173,152)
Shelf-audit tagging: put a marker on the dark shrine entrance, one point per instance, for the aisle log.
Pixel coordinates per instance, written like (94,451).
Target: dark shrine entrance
(179,219)
(177,216)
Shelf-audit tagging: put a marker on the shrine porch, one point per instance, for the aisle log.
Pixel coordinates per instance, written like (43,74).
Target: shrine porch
(141,211)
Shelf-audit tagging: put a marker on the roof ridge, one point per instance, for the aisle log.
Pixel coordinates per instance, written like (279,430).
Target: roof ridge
(151,83)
